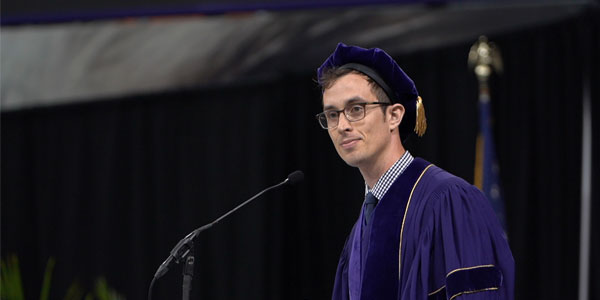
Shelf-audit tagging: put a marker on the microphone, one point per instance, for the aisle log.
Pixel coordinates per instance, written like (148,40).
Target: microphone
(295,177)
(182,249)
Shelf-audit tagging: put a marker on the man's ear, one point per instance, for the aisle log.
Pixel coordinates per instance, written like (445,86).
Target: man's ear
(396,112)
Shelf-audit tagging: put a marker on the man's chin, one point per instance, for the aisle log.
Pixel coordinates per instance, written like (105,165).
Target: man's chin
(352,161)
(351,157)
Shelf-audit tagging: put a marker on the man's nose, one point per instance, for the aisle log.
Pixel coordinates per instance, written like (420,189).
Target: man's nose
(343,123)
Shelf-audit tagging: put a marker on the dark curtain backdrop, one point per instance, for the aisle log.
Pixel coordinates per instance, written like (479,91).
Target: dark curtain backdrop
(108,188)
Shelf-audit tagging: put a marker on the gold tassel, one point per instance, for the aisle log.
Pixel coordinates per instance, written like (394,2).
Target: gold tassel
(421,123)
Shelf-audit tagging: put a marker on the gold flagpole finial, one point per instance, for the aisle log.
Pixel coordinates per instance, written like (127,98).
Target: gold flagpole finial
(484,57)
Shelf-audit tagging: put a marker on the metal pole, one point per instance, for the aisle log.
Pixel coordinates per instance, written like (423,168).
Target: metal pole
(586,191)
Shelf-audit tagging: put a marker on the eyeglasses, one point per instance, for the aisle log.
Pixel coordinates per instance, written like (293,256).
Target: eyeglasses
(330,118)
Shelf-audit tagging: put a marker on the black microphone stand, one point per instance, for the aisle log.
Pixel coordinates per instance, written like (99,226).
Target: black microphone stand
(188,274)
(184,249)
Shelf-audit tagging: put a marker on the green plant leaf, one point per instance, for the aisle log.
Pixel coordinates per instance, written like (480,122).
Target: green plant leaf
(74,292)
(102,291)
(47,279)
(11,287)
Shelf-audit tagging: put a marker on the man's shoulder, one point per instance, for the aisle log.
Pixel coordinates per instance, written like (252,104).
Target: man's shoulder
(424,180)
(437,180)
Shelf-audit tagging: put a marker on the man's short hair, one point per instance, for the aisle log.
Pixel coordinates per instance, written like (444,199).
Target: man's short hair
(331,75)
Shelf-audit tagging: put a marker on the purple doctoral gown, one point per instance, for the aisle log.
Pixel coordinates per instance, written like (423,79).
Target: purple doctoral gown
(432,236)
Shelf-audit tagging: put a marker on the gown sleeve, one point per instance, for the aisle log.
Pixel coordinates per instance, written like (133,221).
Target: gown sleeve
(462,252)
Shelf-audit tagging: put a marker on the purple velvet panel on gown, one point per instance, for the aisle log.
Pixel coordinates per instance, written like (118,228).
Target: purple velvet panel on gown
(452,244)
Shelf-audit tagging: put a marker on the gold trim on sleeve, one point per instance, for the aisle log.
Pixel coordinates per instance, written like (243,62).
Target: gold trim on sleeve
(468,268)
(404,219)
(465,292)
(471,292)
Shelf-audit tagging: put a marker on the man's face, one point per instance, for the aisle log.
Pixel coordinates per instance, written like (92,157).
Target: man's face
(362,142)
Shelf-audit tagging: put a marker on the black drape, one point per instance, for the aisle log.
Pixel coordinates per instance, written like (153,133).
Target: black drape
(108,188)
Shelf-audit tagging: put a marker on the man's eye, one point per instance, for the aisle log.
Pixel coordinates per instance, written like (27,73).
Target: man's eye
(356,109)
(331,114)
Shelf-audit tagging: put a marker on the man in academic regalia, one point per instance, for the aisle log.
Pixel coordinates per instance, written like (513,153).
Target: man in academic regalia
(422,232)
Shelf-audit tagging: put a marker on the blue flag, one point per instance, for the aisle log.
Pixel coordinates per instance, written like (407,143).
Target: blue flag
(487,172)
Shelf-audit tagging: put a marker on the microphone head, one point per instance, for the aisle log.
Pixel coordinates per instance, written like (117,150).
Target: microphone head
(295,177)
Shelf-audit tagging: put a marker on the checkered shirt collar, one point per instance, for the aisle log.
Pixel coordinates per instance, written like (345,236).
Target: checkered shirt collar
(385,181)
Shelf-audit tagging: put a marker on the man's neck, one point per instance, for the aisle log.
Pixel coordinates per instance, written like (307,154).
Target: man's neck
(372,172)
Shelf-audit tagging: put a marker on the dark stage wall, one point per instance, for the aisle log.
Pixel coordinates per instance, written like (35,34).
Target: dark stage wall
(109,188)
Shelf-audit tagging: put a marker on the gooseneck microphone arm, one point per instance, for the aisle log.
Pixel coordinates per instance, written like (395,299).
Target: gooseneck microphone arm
(185,245)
